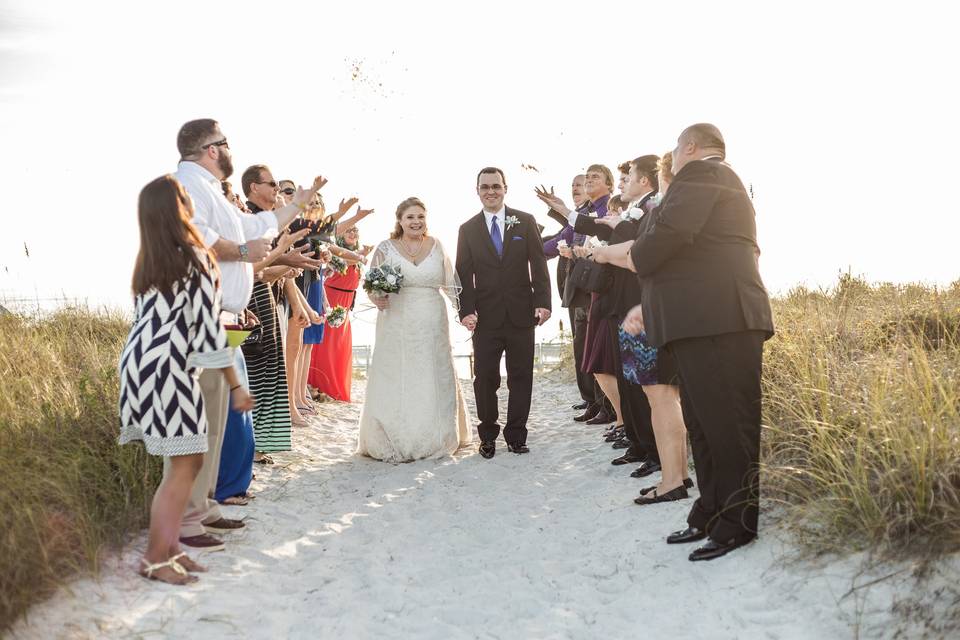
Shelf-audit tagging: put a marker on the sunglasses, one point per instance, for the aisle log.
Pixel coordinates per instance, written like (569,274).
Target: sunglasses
(288,191)
(218,143)
(272,184)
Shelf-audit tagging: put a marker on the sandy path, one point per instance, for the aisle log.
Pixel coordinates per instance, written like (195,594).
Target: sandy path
(547,545)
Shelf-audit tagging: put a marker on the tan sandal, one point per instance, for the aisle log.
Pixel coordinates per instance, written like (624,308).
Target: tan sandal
(190,565)
(147,570)
(236,501)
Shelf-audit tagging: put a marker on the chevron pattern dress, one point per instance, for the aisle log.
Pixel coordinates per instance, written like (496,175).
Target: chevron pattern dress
(160,401)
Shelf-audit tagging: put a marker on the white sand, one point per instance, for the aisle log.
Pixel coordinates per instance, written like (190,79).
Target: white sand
(546,545)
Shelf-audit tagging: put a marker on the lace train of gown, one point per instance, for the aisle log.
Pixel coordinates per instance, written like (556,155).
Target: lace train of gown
(414,408)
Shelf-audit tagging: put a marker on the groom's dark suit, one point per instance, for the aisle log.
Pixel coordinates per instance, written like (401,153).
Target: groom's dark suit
(704,302)
(504,292)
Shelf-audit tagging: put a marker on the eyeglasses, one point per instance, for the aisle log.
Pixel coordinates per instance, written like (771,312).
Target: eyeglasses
(218,143)
(288,191)
(487,187)
(272,184)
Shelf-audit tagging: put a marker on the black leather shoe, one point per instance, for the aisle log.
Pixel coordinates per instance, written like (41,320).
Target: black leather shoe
(690,534)
(649,466)
(488,449)
(590,413)
(581,406)
(714,549)
(602,417)
(674,494)
(517,447)
(627,458)
(621,443)
(687,483)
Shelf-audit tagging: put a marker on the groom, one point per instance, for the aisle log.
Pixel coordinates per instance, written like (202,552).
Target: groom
(506,294)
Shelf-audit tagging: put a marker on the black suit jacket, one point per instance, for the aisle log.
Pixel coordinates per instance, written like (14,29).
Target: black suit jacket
(499,288)
(698,259)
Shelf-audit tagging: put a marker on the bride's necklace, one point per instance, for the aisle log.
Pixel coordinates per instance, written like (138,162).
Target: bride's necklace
(413,254)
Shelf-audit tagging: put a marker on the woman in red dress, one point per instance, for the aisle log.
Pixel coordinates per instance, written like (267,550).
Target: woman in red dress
(331,368)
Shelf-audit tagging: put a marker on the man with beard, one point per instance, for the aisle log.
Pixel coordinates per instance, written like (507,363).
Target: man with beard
(238,240)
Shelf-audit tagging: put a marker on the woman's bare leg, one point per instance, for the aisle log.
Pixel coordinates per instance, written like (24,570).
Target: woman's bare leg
(608,383)
(166,514)
(670,433)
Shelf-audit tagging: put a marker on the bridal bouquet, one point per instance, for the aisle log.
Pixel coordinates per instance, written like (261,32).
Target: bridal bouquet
(337,265)
(382,280)
(336,317)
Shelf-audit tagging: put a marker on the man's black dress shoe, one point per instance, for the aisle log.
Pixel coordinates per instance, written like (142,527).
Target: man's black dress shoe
(690,534)
(621,443)
(626,458)
(487,449)
(674,494)
(601,418)
(517,447)
(590,413)
(649,466)
(687,482)
(581,406)
(714,549)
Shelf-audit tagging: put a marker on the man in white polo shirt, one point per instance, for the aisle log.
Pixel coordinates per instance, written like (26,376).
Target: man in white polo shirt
(238,239)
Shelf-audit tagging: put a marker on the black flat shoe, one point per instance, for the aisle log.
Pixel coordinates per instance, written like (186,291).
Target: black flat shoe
(614,433)
(581,406)
(670,496)
(488,449)
(589,414)
(627,458)
(687,483)
(690,534)
(714,549)
(602,418)
(649,466)
(517,447)
(621,443)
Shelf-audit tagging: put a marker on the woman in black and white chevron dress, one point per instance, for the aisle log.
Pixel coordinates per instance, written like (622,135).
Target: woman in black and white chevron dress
(176,283)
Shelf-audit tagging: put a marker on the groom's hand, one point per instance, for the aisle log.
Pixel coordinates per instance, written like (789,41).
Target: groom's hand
(470,321)
(542,315)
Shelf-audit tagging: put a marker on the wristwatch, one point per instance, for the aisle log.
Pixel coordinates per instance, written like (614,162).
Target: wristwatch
(244,252)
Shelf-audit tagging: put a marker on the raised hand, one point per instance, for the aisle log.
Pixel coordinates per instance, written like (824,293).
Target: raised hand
(288,239)
(552,200)
(346,205)
(363,213)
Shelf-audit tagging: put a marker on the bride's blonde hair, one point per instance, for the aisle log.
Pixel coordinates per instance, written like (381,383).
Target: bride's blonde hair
(403,206)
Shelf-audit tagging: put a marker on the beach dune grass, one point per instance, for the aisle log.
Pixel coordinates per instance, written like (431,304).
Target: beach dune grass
(68,492)
(861,441)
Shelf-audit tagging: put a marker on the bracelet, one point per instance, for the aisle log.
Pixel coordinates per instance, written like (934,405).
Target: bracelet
(232,389)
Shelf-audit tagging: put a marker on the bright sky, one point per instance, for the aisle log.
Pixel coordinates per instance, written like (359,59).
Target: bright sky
(842,115)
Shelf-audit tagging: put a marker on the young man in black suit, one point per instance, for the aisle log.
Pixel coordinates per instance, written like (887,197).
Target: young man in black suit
(506,295)
(704,302)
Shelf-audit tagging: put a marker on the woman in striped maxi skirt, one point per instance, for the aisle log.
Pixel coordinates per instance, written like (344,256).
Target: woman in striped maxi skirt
(268,378)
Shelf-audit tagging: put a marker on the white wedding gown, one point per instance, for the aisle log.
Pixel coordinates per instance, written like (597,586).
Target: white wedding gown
(413,407)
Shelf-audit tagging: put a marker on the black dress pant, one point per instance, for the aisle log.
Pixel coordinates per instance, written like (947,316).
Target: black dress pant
(721,396)
(635,408)
(489,345)
(585,381)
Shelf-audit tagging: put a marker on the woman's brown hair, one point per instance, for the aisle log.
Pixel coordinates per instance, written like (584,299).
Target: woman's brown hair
(403,206)
(169,243)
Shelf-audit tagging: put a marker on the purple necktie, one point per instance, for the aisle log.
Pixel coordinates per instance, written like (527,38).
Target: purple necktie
(496,237)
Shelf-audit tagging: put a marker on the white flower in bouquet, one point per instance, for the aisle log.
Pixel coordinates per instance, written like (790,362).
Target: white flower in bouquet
(383,279)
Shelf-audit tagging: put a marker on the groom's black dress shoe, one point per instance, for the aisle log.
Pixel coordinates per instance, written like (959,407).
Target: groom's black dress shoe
(581,406)
(590,413)
(714,549)
(517,447)
(487,449)
(687,482)
(690,534)
(626,458)
(602,417)
(678,493)
(649,466)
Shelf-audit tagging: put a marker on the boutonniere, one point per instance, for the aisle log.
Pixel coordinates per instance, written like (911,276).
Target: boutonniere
(633,213)
(509,221)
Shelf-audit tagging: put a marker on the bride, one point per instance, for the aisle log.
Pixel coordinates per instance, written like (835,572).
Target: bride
(413,408)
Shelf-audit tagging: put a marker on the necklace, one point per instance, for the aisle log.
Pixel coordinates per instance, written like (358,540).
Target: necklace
(413,255)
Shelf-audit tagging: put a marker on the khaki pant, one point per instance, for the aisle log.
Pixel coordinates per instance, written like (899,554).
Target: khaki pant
(202,507)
